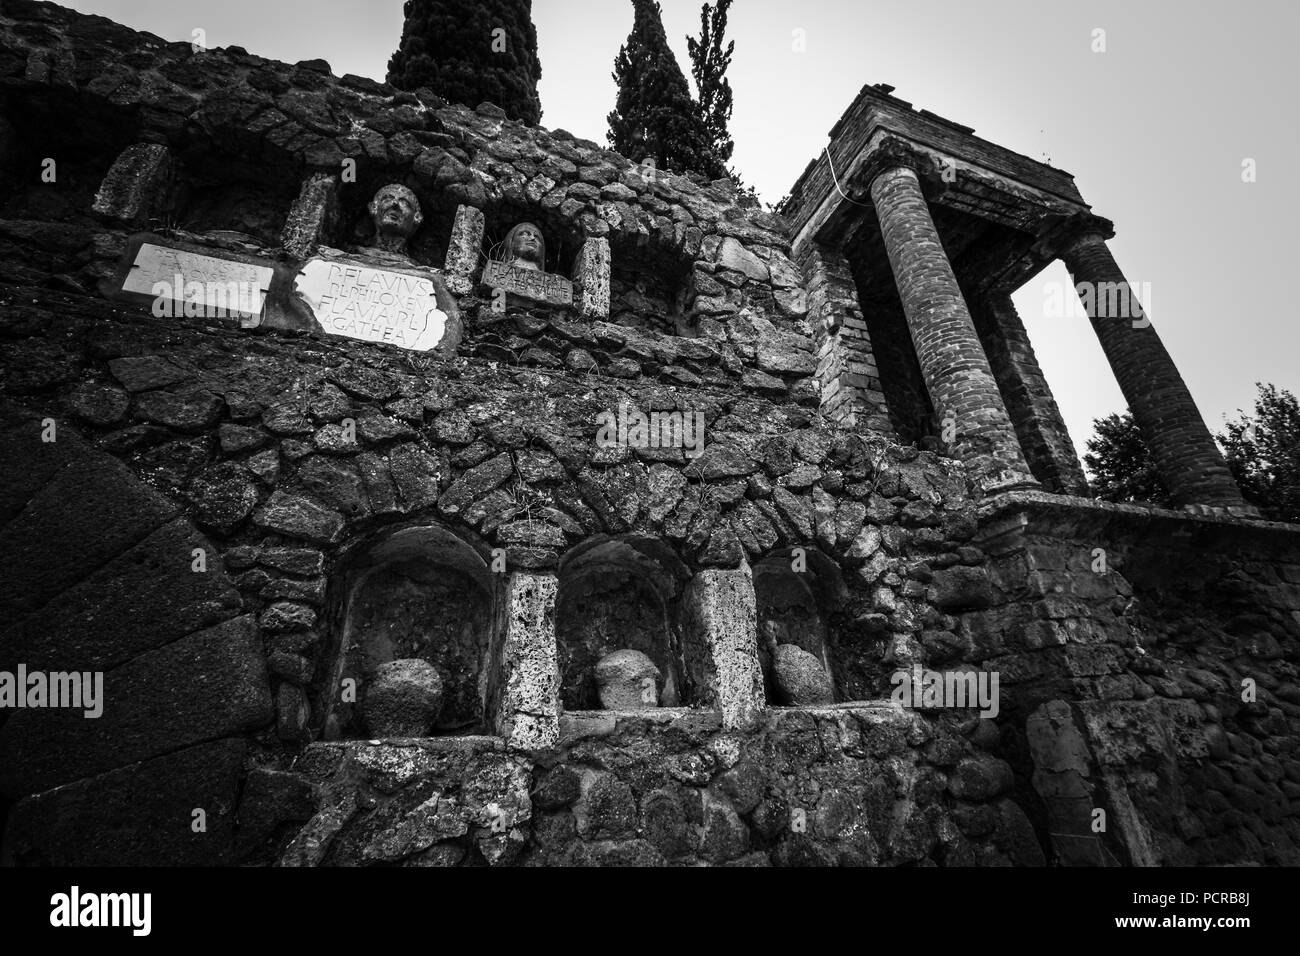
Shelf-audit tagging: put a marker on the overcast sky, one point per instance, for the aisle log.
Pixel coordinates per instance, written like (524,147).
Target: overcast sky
(1154,129)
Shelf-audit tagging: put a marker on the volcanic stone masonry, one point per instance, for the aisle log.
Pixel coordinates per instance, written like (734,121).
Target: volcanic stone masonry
(300,389)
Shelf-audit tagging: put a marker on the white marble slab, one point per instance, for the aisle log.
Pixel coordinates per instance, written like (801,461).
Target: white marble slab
(373,305)
(188,283)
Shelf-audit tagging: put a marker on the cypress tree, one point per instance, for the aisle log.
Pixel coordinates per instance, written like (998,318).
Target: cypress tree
(709,62)
(471,51)
(654,116)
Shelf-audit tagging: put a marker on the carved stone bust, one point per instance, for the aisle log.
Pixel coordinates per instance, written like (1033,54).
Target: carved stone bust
(525,248)
(395,212)
(518,267)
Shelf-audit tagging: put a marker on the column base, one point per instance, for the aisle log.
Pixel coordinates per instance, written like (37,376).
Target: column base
(1226,511)
(995,483)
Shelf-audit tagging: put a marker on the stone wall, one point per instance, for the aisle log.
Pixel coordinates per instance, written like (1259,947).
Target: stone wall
(262,134)
(848,786)
(236,521)
(247,435)
(1149,667)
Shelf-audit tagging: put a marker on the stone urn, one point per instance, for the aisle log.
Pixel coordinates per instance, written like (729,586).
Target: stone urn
(800,677)
(627,680)
(403,699)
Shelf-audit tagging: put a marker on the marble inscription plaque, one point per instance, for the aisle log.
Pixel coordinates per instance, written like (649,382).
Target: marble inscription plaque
(530,283)
(189,283)
(374,305)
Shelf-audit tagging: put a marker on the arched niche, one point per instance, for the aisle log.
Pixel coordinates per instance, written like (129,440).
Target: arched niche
(797,592)
(620,593)
(52,166)
(232,180)
(419,592)
(563,238)
(648,284)
(354,229)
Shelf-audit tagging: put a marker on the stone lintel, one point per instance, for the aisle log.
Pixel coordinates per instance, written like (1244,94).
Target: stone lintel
(956,178)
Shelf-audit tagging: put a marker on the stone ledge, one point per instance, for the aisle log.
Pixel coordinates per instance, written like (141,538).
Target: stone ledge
(579,724)
(1078,517)
(468,742)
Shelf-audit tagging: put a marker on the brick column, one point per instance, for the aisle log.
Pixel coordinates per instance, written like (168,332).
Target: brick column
(956,371)
(1037,419)
(1185,455)
(846,366)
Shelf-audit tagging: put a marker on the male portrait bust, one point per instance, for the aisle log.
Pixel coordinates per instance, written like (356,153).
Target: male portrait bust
(395,212)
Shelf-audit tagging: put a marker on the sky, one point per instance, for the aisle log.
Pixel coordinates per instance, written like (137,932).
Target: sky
(1155,130)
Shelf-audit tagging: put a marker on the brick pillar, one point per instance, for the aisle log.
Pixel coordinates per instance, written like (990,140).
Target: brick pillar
(956,371)
(528,709)
(1037,419)
(1185,455)
(846,365)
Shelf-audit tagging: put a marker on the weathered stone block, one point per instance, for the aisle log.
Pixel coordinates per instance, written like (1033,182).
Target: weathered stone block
(114,614)
(722,619)
(209,685)
(312,217)
(136,188)
(591,273)
(463,250)
(528,712)
(139,815)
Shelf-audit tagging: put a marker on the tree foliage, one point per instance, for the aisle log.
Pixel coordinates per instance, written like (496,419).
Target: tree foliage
(654,116)
(709,62)
(1263,451)
(470,52)
(1120,465)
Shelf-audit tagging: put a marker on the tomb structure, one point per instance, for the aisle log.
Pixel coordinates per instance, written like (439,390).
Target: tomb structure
(365,538)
